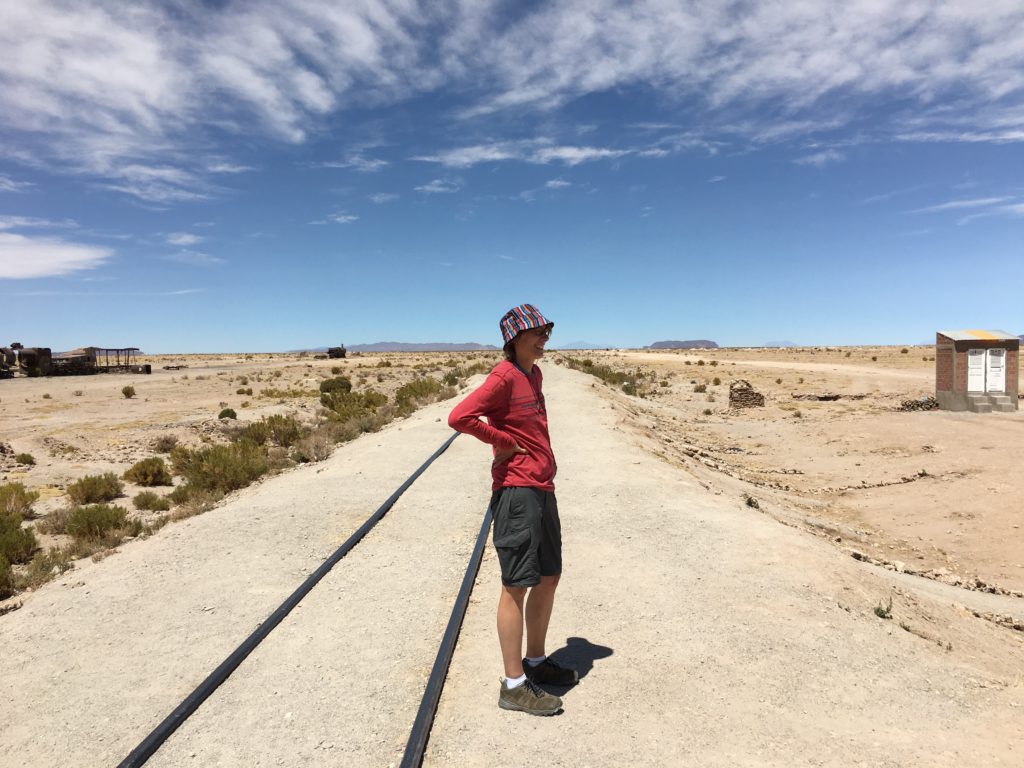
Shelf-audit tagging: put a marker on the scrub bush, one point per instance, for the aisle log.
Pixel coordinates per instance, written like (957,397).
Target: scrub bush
(151,471)
(340,383)
(26,459)
(93,489)
(16,543)
(219,468)
(227,413)
(165,443)
(6,578)
(417,392)
(17,500)
(101,523)
(151,502)
(128,391)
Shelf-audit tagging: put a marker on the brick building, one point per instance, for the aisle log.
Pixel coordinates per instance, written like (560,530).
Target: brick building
(976,370)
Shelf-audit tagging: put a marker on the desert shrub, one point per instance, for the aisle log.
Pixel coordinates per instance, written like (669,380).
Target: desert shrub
(165,443)
(417,392)
(151,471)
(700,387)
(54,522)
(315,447)
(243,380)
(95,522)
(77,393)
(797,415)
(255,432)
(904,351)
(848,354)
(219,468)
(663,383)
(874,358)
(227,413)
(285,431)
(26,459)
(339,383)
(384,364)
(45,566)
(128,391)
(6,578)
(93,489)
(16,543)
(348,405)
(336,369)
(778,381)
(708,411)
(700,362)
(243,391)
(716,381)
(152,502)
(16,499)
(713,362)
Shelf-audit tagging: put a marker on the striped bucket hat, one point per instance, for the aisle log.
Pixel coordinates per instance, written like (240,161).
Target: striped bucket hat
(521,318)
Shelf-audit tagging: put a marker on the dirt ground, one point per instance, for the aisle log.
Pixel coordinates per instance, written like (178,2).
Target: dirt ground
(929,491)
(705,631)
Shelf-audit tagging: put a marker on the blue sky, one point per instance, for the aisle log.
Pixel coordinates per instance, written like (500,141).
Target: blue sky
(229,176)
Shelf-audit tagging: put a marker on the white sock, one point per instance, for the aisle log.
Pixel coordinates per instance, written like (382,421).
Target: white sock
(533,661)
(514,682)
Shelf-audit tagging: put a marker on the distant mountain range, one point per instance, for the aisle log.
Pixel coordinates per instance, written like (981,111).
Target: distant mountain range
(583,345)
(691,344)
(439,346)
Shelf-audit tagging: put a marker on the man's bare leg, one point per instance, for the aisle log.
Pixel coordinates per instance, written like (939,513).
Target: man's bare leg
(538,614)
(510,629)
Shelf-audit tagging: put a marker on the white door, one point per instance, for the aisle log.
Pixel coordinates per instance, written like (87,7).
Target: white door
(975,370)
(995,371)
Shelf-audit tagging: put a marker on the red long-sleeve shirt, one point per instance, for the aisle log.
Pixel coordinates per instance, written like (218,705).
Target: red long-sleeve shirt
(513,404)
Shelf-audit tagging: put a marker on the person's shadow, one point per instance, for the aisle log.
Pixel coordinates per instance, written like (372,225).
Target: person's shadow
(579,654)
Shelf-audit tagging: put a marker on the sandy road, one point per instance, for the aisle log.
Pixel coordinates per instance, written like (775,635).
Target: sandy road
(706,633)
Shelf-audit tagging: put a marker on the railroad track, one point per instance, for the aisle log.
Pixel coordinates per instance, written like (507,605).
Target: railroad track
(420,731)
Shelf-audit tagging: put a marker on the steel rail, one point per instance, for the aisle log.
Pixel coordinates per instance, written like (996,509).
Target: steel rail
(149,745)
(417,744)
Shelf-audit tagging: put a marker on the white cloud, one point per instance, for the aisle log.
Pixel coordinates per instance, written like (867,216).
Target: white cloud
(226,167)
(183,238)
(358,163)
(716,179)
(7,184)
(953,205)
(821,159)
(195,258)
(337,218)
(31,222)
(557,184)
(438,186)
(537,151)
(383,197)
(23,257)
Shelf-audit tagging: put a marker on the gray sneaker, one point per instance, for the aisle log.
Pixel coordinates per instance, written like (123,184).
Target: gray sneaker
(528,698)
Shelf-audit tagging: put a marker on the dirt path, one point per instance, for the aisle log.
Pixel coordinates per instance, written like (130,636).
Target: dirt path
(706,633)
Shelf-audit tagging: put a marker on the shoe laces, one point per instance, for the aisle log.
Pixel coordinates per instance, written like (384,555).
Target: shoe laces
(534,688)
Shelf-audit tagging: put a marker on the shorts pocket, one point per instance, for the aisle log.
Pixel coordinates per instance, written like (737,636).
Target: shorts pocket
(511,539)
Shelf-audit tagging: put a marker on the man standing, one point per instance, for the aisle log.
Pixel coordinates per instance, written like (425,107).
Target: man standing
(527,533)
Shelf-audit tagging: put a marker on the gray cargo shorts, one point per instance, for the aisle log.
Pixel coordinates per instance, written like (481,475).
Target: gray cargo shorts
(527,535)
